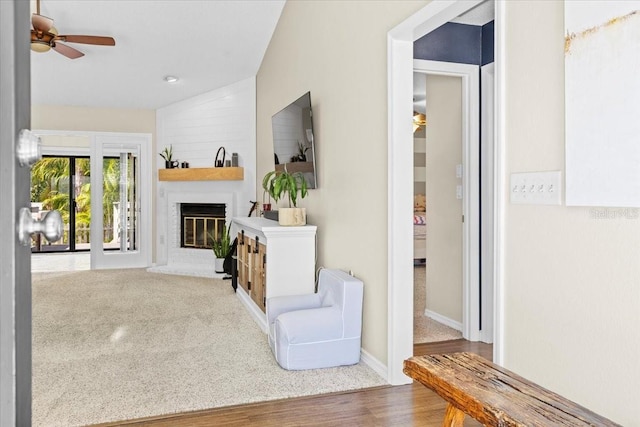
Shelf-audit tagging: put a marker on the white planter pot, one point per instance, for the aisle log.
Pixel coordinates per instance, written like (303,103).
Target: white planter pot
(292,216)
(219,263)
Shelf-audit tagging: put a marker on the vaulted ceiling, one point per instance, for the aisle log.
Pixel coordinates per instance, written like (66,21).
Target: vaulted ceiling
(207,44)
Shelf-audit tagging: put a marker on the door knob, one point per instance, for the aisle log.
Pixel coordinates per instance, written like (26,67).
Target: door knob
(50,226)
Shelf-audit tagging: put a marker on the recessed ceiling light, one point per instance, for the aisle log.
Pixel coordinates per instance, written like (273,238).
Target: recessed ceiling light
(170,79)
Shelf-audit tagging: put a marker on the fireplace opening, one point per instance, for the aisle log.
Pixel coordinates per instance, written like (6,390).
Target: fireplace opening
(199,221)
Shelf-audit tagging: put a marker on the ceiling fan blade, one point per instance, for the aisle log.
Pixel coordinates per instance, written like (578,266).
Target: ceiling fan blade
(99,40)
(67,51)
(41,23)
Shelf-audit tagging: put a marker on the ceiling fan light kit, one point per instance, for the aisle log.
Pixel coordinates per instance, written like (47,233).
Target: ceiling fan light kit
(44,37)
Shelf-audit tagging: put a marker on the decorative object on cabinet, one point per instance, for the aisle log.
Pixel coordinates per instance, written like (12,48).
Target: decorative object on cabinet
(272,260)
(318,330)
(282,183)
(221,245)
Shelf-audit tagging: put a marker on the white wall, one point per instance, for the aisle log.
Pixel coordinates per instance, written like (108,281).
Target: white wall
(572,276)
(338,51)
(196,128)
(444,210)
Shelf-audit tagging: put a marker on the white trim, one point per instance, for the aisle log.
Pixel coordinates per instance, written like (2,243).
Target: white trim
(377,366)
(487,143)
(470,76)
(399,205)
(499,181)
(443,319)
(400,195)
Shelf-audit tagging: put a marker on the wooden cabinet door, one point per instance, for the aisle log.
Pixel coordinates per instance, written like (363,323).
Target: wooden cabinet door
(243,262)
(258,290)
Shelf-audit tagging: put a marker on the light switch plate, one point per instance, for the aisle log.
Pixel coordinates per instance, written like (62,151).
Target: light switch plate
(458,171)
(536,188)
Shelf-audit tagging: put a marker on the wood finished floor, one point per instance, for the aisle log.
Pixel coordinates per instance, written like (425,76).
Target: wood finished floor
(409,405)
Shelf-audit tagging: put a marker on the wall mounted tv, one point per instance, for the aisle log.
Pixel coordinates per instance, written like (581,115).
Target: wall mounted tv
(293,141)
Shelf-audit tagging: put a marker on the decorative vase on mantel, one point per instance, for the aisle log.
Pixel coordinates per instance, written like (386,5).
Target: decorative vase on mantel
(219,264)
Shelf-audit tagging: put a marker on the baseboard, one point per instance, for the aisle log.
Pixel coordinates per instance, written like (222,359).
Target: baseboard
(377,366)
(444,320)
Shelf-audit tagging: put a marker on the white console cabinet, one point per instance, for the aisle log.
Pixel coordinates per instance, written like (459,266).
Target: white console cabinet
(273,260)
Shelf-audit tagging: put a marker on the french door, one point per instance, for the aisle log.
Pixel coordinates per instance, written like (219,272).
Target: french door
(63,183)
(121,218)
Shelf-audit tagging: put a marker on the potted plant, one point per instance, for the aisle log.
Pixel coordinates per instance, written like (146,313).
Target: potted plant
(221,245)
(167,155)
(281,184)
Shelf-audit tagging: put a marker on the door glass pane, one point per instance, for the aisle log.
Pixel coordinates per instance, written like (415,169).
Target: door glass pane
(50,191)
(82,195)
(120,202)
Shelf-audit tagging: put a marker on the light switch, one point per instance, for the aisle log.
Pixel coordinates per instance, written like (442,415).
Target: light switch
(458,171)
(458,192)
(536,188)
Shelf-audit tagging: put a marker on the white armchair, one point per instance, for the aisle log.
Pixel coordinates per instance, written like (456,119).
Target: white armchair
(318,330)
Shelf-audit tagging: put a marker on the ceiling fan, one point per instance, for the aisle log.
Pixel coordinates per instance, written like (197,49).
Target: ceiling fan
(44,36)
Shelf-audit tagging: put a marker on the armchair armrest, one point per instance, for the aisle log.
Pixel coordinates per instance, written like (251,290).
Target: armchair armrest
(278,305)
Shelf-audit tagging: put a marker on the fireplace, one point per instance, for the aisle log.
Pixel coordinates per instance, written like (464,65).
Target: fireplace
(174,257)
(200,221)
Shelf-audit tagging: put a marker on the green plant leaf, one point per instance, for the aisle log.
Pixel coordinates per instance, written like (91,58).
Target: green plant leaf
(221,244)
(279,183)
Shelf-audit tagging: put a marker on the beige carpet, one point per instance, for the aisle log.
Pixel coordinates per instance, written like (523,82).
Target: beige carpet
(426,329)
(114,345)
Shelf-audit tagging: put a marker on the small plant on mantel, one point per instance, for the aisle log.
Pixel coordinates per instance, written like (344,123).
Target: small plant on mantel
(281,184)
(167,153)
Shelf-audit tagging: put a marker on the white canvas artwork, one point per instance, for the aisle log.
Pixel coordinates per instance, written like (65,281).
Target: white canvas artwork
(602,103)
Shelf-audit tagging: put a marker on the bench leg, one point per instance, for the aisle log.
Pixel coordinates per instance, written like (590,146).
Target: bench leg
(453,417)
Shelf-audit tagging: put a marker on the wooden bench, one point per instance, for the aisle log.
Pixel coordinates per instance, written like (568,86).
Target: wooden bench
(493,395)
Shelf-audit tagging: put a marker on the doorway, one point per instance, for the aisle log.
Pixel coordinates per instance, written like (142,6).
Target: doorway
(400,57)
(454,188)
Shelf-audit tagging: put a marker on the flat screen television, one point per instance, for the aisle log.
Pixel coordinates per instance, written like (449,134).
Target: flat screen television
(293,141)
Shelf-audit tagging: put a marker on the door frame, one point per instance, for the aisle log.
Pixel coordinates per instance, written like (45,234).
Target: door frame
(487,136)
(15,259)
(470,135)
(400,153)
